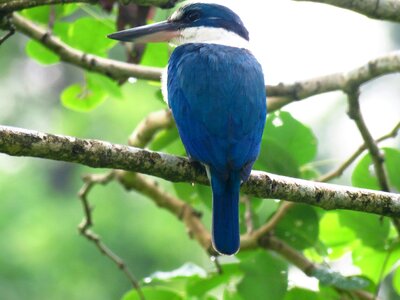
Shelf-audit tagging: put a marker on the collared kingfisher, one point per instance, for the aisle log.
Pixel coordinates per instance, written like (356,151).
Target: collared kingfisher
(215,89)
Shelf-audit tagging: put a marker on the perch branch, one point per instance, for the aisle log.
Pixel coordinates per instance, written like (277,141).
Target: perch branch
(99,154)
(143,184)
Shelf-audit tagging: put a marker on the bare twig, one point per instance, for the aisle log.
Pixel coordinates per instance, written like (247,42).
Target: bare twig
(339,171)
(376,155)
(6,36)
(87,223)
(376,9)
(7,25)
(182,210)
(271,224)
(99,154)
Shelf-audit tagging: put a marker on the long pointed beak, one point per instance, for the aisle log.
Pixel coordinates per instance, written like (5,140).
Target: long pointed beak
(158,32)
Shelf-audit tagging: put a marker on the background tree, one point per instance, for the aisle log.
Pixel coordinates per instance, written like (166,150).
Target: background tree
(41,255)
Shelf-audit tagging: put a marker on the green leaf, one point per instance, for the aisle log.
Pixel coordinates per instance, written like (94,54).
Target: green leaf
(186,192)
(159,293)
(156,55)
(90,35)
(265,277)
(364,175)
(392,162)
(205,195)
(396,280)
(335,236)
(371,229)
(40,53)
(276,159)
(301,294)
(231,295)
(164,138)
(198,287)
(81,98)
(98,81)
(292,135)
(372,261)
(41,14)
(309,173)
(299,227)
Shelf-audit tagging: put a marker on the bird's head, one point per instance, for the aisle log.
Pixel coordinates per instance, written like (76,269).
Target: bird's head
(192,23)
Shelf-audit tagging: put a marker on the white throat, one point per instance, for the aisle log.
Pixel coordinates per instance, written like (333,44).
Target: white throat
(210,35)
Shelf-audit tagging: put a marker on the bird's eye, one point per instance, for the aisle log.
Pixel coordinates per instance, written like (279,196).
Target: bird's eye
(193,16)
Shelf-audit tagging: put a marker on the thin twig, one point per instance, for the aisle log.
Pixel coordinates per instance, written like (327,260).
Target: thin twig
(339,171)
(87,223)
(8,25)
(377,157)
(6,36)
(354,113)
(271,224)
(52,17)
(217,264)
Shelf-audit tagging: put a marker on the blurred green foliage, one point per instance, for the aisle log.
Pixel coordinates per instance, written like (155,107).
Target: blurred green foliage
(42,255)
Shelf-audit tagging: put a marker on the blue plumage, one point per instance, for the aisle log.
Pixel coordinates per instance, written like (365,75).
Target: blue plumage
(216,93)
(217,97)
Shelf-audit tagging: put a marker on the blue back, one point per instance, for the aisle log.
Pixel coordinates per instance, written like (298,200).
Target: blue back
(217,97)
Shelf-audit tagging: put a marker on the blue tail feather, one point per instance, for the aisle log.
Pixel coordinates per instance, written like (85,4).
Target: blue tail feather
(225,224)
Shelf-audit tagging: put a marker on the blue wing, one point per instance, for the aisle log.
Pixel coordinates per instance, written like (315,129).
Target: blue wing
(217,97)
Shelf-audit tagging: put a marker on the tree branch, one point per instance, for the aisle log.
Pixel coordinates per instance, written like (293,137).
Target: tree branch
(279,95)
(184,211)
(109,67)
(376,9)
(99,154)
(377,67)
(15,5)
(376,155)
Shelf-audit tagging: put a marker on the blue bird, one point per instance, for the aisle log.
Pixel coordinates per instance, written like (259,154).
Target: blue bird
(215,89)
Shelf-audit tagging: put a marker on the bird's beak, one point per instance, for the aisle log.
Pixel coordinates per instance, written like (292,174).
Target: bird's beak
(158,32)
